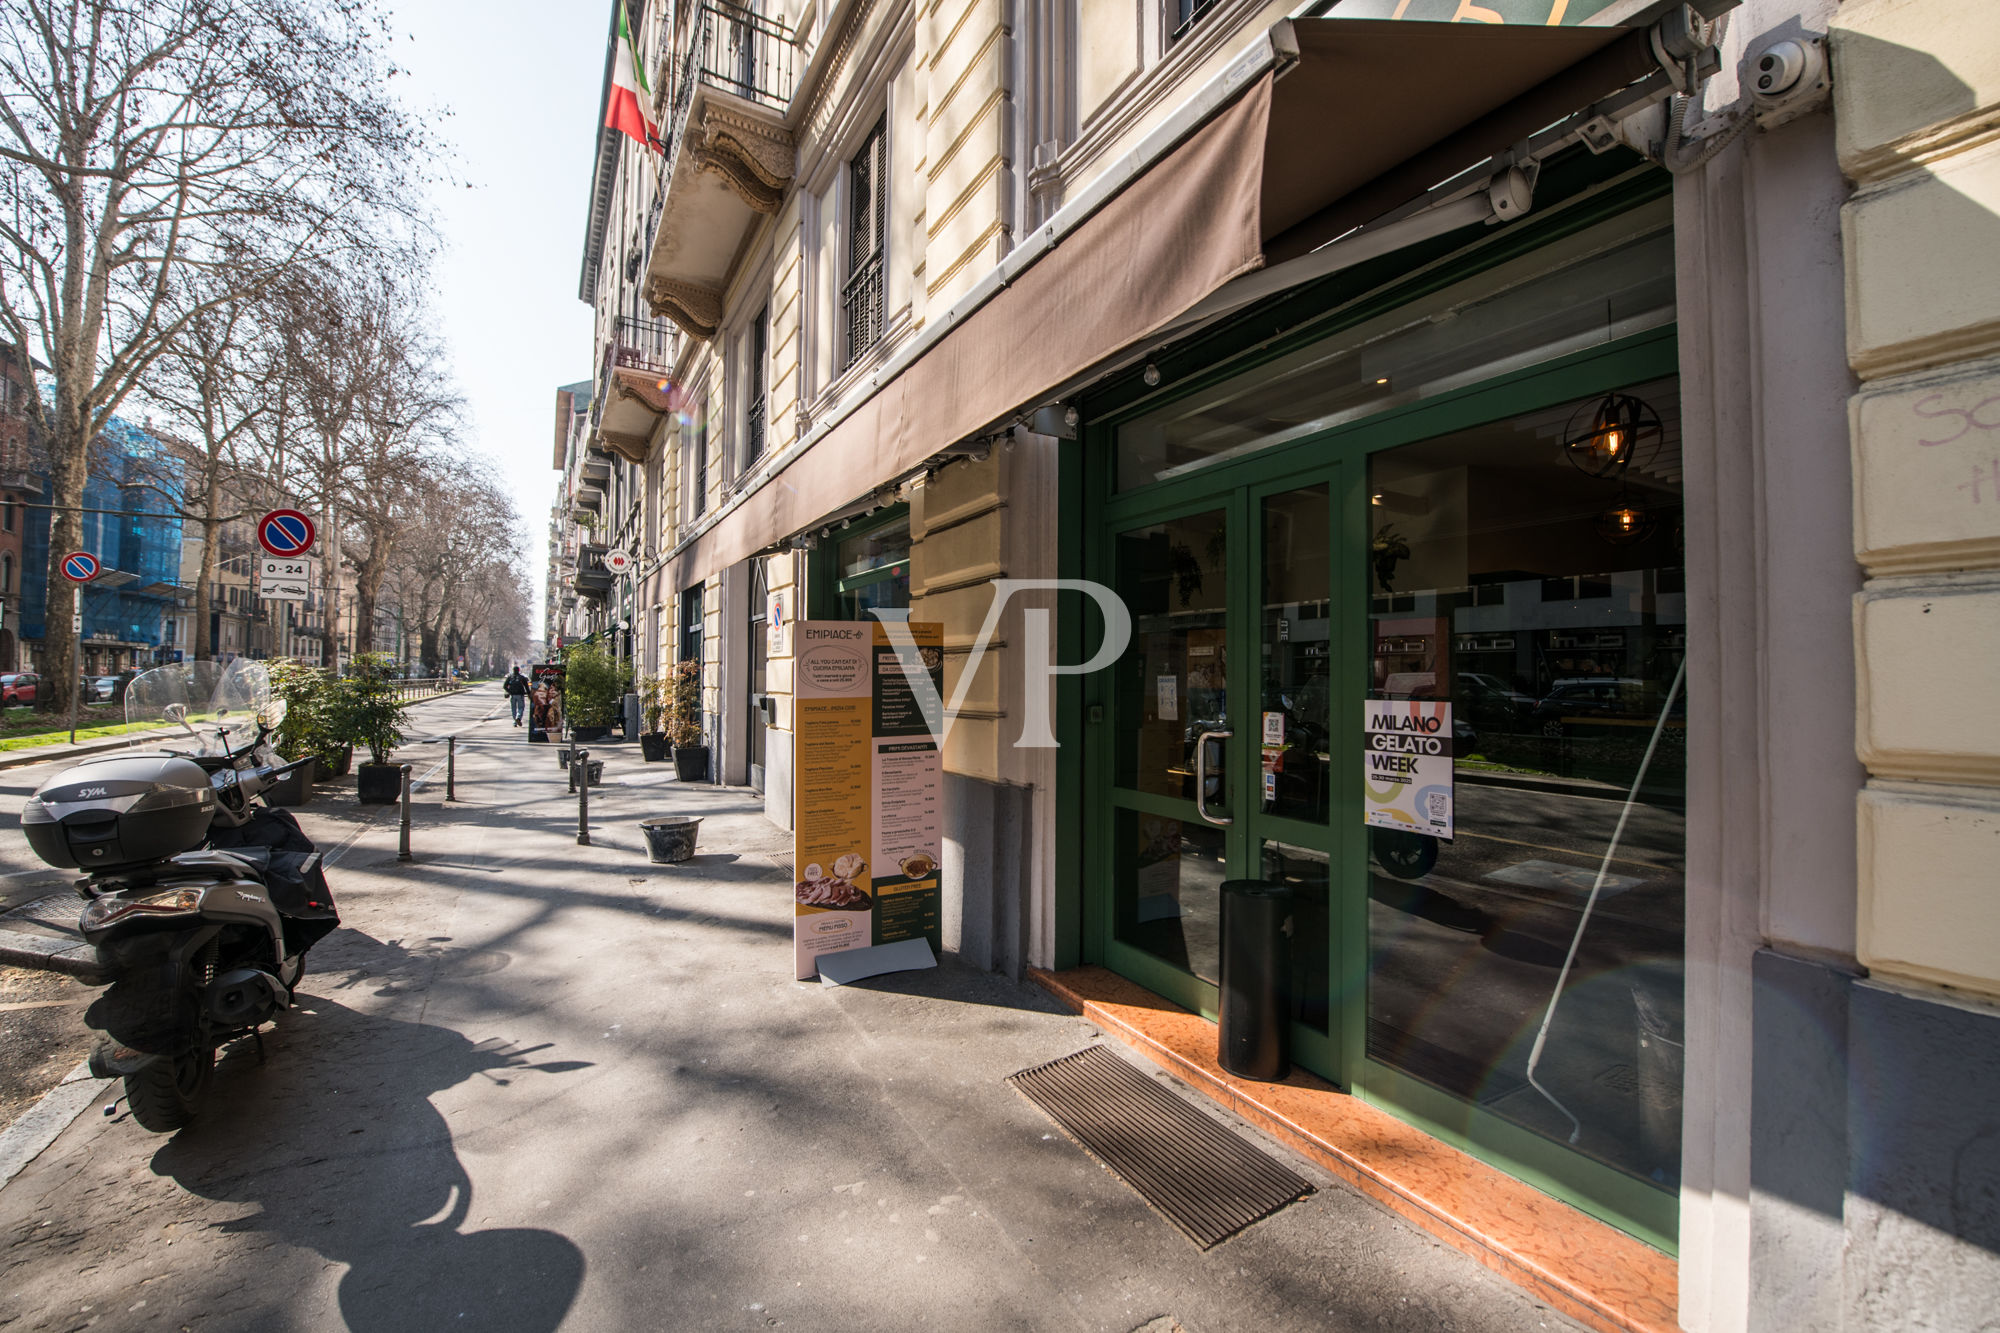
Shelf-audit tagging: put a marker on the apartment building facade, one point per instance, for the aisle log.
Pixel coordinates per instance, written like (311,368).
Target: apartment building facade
(1376,356)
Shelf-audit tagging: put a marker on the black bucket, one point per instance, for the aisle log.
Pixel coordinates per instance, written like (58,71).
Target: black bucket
(670,838)
(593,773)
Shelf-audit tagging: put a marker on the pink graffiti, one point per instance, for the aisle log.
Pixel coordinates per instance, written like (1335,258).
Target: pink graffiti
(1979,477)
(1969,419)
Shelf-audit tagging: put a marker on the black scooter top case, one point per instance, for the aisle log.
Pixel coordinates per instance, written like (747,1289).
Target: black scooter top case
(120,811)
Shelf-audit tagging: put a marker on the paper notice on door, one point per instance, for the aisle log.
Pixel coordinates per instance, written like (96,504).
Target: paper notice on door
(1168,688)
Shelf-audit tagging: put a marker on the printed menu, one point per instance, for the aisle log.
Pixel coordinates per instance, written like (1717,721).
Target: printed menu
(867,826)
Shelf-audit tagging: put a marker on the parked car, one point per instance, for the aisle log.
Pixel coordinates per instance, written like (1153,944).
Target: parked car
(100,689)
(18,688)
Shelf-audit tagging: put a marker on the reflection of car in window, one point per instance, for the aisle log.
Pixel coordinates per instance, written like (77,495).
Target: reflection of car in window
(1610,699)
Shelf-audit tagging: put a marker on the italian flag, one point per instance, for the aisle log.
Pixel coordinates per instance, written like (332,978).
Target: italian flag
(630,97)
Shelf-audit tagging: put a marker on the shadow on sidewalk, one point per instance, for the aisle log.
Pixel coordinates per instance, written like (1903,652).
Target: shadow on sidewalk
(336,1141)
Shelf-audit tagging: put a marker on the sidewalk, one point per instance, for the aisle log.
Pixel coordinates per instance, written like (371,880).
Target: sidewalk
(533,1084)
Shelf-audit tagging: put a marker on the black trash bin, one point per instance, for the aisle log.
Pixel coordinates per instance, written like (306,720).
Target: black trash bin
(1254,1037)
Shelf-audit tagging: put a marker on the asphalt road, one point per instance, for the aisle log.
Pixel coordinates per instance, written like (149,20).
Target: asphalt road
(533,1085)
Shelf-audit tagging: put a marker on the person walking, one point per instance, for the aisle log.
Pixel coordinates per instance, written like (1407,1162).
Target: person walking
(516,686)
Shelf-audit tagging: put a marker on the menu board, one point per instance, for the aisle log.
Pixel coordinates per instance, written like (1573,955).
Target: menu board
(1407,766)
(867,820)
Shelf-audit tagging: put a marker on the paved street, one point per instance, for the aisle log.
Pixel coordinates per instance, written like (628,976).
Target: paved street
(533,1085)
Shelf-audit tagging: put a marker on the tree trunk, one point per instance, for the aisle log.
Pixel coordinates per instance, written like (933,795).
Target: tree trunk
(368,576)
(330,580)
(204,644)
(67,477)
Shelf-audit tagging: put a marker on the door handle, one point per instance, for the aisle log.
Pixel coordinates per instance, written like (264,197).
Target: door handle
(1201,776)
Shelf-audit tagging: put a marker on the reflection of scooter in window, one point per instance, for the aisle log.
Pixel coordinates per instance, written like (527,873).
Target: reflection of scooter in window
(1404,855)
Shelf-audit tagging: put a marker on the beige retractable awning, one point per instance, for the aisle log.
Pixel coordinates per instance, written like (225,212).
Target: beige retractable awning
(1368,116)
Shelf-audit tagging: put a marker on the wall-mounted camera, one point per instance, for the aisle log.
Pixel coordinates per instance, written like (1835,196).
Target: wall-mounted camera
(1786,78)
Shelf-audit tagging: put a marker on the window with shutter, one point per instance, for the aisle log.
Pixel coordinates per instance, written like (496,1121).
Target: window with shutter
(867,223)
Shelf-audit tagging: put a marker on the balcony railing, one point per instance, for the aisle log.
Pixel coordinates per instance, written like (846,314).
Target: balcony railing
(635,344)
(739,51)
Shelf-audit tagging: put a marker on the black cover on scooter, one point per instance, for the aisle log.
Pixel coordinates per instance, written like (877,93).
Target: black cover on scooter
(301,897)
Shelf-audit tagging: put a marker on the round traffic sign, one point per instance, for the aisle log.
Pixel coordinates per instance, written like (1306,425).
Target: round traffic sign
(617,562)
(285,532)
(79,566)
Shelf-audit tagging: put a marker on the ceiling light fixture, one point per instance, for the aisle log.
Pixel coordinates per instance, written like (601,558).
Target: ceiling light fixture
(1619,427)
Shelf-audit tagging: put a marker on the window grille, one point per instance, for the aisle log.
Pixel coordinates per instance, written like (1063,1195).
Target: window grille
(867,223)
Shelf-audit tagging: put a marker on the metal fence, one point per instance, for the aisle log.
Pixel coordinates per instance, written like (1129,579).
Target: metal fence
(738,51)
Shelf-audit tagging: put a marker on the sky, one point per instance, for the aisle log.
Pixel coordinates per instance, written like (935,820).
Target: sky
(521,79)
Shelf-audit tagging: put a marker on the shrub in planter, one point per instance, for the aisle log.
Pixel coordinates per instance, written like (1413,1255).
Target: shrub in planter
(653,715)
(683,721)
(308,695)
(593,686)
(368,712)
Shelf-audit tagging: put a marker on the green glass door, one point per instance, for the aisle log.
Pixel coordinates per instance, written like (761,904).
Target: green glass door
(1214,748)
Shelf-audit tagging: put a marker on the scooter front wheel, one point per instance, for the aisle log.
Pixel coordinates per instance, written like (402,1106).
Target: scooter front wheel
(165,1095)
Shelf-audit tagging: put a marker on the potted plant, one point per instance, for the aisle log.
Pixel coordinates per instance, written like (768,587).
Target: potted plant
(302,733)
(592,689)
(653,703)
(369,713)
(683,719)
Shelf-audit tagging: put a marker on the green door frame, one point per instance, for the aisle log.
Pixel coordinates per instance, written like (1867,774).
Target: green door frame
(1339,456)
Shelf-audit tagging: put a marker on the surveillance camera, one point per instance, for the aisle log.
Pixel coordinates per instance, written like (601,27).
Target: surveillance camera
(1786,78)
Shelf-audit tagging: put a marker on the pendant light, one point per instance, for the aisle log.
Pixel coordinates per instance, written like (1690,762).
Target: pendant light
(1626,523)
(1618,427)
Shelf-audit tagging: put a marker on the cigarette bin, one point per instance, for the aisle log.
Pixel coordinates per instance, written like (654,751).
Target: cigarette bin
(1254,1037)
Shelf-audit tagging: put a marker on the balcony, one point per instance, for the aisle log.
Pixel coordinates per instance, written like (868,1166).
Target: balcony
(731,156)
(591,578)
(632,389)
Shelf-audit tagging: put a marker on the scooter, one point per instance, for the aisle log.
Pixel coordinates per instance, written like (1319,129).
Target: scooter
(200,900)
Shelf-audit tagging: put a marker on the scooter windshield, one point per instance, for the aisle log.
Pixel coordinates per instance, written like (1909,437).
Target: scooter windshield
(211,708)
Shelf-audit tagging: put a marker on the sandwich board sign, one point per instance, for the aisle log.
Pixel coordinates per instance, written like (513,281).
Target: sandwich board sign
(868,793)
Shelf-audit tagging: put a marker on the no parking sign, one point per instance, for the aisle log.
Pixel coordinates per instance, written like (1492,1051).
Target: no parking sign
(79,566)
(285,532)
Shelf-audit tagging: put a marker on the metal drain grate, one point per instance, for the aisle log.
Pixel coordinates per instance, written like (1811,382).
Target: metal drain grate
(1193,1171)
(58,909)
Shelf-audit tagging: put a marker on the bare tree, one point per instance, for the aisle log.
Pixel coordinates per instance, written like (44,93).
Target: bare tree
(211,383)
(148,144)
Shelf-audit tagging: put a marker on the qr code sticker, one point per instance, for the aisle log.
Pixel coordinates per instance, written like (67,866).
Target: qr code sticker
(1440,803)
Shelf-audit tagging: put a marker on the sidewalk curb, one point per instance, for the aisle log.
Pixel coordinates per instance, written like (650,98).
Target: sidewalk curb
(43,1123)
(71,958)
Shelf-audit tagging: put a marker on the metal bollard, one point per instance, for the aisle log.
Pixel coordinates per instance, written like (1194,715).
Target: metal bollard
(403,852)
(579,773)
(451,768)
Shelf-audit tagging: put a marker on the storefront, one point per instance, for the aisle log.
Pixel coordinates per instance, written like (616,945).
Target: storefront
(1461,482)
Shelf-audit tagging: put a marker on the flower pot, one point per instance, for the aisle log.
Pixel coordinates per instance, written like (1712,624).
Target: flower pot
(691,763)
(652,747)
(336,765)
(584,735)
(379,784)
(670,838)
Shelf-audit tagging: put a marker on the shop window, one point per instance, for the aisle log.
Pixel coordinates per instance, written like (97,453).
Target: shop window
(872,569)
(1524,316)
(867,224)
(1562,705)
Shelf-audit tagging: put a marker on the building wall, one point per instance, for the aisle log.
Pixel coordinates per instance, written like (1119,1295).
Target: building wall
(1918,89)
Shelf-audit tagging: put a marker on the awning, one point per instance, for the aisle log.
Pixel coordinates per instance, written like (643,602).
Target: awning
(1337,123)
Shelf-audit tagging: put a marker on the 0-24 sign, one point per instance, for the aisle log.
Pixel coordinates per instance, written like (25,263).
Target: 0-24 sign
(283,579)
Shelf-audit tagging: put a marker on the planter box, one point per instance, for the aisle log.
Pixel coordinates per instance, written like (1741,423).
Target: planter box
(652,747)
(296,789)
(379,784)
(691,763)
(584,735)
(335,765)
